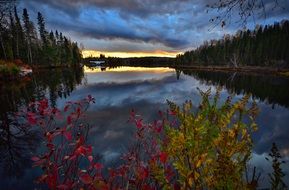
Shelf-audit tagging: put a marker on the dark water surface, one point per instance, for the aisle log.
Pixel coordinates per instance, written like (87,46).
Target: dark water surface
(117,91)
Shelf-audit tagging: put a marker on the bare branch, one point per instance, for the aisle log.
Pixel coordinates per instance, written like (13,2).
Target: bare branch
(244,8)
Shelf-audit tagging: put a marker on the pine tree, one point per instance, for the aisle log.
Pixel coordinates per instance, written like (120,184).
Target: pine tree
(42,30)
(5,32)
(14,36)
(19,35)
(28,31)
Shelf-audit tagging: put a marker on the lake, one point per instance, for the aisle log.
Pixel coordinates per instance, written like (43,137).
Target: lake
(119,90)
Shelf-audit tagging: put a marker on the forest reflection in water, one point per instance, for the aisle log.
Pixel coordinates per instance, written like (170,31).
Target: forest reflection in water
(18,143)
(267,88)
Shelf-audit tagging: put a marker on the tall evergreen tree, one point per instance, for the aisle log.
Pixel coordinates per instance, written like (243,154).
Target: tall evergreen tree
(42,30)
(19,35)
(28,31)
(5,9)
(13,36)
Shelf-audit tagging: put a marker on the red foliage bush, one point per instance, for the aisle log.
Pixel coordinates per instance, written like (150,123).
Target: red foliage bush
(68,162)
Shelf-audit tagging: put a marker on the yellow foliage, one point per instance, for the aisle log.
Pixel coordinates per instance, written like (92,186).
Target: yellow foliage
(211,147)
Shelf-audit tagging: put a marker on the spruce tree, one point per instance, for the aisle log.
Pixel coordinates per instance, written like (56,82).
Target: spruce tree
(28,31)
(41,28)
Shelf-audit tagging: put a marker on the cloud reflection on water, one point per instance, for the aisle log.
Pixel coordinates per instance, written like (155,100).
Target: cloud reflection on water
(117,92)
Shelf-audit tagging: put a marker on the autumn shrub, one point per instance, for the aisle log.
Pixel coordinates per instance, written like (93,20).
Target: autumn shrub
(204,147)
(8,69)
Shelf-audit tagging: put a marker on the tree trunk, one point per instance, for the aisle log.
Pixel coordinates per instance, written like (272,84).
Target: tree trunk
(17,46)
(2,46)
(234,60)
(29,53)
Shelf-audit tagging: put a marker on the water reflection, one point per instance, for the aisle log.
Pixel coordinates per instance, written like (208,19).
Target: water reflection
(98,69)
(119,90)
(18,143)
(270,89)
(52,84)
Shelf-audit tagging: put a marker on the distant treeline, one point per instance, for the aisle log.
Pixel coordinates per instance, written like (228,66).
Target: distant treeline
(265,46)
(20,40)
(133,61)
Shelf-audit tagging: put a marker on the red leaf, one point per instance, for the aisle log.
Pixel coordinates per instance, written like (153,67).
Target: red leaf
(43,103)
(139,123)
(42,178)
(169,173)
(50,146)
(66,108)
(143,172)
(81,150)
(177,186)
(163,157)
(89,149)
(90,158)
(63,186)
(31,118)
(86,179)
(98,166)
(80,141)
(73,157)
(146,187)
(69,120)
(39,162)
(68,135)
(112,173)
(51,181)
(172,112)
(78,110)
(35,158)
(159,129)
(49,136)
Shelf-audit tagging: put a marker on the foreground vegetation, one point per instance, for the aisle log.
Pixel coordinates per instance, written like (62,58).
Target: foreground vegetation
(264,46)
(20,40)
(187,148)
(8,69)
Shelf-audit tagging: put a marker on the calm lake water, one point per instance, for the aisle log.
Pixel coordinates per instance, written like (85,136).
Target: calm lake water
(119,90)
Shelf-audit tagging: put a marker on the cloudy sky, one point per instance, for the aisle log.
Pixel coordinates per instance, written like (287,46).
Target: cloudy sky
(140,27)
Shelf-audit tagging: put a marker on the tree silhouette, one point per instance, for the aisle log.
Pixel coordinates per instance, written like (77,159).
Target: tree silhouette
(244,8)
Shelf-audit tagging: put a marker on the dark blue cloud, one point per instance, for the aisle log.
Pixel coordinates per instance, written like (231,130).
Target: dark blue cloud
(146,25)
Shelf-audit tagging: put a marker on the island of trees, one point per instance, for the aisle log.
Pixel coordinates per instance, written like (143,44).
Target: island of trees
(20,41)
(264,46)
(131,61)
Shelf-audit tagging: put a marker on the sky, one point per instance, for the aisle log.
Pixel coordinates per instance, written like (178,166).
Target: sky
(137,28)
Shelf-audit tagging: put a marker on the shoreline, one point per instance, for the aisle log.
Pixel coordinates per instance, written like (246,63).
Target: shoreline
(258,70)
(48,67)
(244,69)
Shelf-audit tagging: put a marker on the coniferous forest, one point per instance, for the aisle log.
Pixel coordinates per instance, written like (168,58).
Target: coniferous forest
(22,39)
(265,46)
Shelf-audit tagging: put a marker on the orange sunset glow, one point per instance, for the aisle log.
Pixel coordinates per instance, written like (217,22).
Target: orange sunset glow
(95,53)
(130,69)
